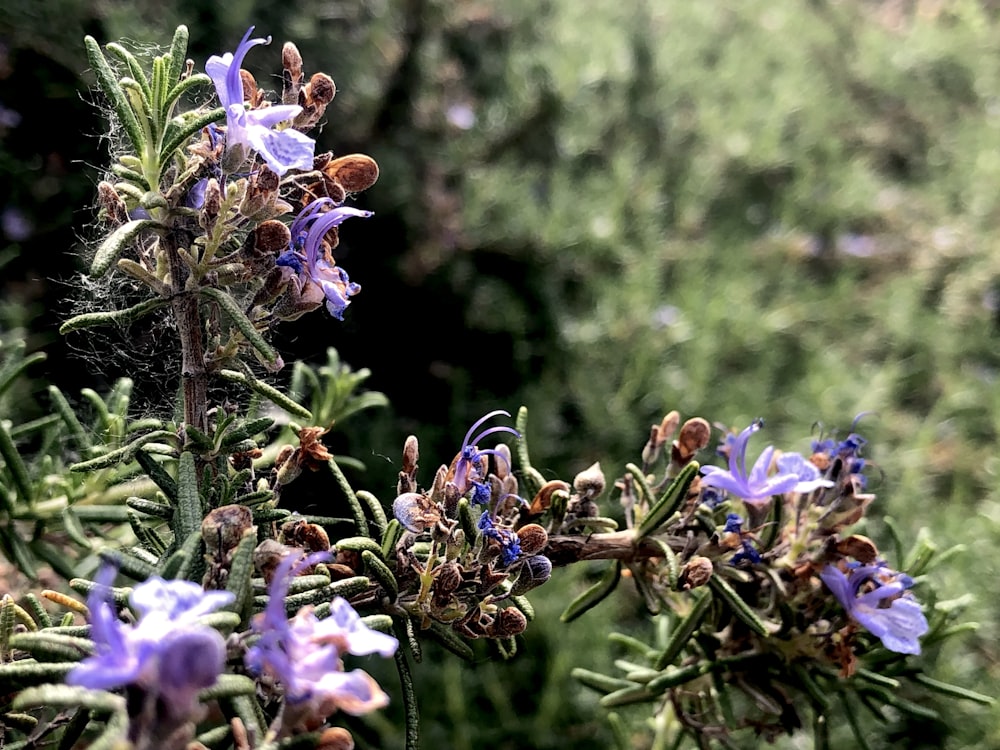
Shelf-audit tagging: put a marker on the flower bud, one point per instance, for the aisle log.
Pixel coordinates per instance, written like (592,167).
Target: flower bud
(223,528)
(590,483)
(534,572)
(533,538)
(509,621)
(694,437)
(696,572)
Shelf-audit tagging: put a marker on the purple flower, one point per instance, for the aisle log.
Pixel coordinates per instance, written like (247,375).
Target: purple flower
(311,260)
(510,543)
(166,652)
(466,467)
(756,487)
(806,472)
(304,653)
(897,625)
(281,149)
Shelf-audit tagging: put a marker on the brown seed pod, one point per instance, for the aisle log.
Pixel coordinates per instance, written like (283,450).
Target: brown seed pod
(507,622)
(272,236)
(543,498)
(354,172)
(532,538)
(694,437)
(696,572)
(861,548)
(308,536)
(223,528)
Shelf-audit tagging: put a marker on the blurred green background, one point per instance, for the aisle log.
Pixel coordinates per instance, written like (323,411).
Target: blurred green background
(607,210)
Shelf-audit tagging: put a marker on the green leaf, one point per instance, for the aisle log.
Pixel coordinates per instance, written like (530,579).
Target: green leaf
(595,594)
(121,318)
(740,608)
(177,133)
(272,394)
(683,631)
(378,570)
(116,96)
(123,454)
(669,502)
(116,243)
(15,466)
(189,508)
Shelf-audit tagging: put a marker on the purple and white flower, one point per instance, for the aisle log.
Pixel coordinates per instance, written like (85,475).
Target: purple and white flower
(254,129)
(894,619)
(755,487)
(166,652)
(304,653)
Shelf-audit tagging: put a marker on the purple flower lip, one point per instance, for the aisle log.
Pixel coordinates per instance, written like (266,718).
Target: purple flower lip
(898,625)
(755,487)
(253,129)
(467,465)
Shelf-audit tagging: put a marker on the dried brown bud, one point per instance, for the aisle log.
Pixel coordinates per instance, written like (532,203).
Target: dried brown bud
(267,181)
(320,90)
(271,236)
(543,499)
(507,622)
(668,426)
(354,172)
(250,92)
(308,536)
(416,512)
(696,572)
(590,483)
(861,548)
(112,208)
(411,454)
(447,579)
(335,738)
(267,557)
(291,59)
(223,528)
(533,539)
(503,460)
(694,437)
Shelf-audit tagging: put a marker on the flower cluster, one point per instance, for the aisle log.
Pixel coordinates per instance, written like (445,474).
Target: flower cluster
(473,565)
(166,654)
(304,654)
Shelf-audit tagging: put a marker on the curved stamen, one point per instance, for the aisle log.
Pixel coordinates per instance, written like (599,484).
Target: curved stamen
(478,422)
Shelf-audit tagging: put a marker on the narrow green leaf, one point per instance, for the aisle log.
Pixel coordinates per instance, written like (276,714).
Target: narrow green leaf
(358,544)
(7,619)
(627,696)
(15,466)
(376,511)
(389,538)
(378,570)
(595,594)
(123,454)
(240,572)
(74,528)
(181,88)
(18,551)
(10,374)
(113,246)
(69,418)
(177,56)
(739,607)
(134,68)
(189,509)
(600,682)
(38,611)
(49,647)
(241,321)
(669,502)
(522,603)
(26,673)
(448,638)
(531,479)
(180,562)
(155,471)
(177,133)
(129,564)
(120,318)
(410,707)
(150,507)
(272,394)
(954,691)
(683,631)
(352,499)
(228,686)
(108,82)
